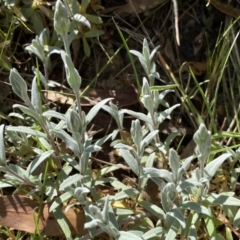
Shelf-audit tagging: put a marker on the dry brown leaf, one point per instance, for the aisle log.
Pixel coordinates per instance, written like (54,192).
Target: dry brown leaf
(60,97)
(198,68)
(151,193)
(227,9)
(188,150)
(122,98)
(226,222)
(139,6)
(18,212)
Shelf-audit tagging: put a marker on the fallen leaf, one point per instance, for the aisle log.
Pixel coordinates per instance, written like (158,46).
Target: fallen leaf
(18,212)
(188,150)
(226,222)
(198,68)
(151,193)
(225,8)
(137,6)
(92,96)
(122,98)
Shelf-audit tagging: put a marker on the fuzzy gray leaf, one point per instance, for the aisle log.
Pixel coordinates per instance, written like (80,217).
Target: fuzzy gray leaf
(2,147)
(196,207)
(130,160)
(162,173)
(213,166)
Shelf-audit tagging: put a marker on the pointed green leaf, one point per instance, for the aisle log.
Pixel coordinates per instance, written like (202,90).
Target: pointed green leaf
(127,236)
(35,96)
(19,86)
(236,220)
(130,160)
(174,163)
(92,113)
(37,161)
(177,215)
(83,20)
(153,233)
(154,209)
(73,77)
(168,195)
(2,147)
(61,20)
(69,181)
(71,143)
(162,173)
(166,114)
(61,219)
(173,231)
(202,138)
(185,166)
(26,130)
(138,115)
(29,112)
(215,199)
(196,207)
(213,166)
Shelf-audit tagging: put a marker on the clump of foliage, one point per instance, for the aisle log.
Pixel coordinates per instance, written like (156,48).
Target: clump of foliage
(186,203)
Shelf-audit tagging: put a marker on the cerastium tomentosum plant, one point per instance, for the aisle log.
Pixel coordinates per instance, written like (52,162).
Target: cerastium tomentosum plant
(134,155)
(179,193)
(71,128)
(42,50)
(152,99)
(146,60)
(71,175)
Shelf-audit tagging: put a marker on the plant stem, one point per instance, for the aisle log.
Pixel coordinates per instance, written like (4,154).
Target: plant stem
(66,45)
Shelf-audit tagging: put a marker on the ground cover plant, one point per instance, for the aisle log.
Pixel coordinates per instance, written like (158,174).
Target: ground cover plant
(67,173)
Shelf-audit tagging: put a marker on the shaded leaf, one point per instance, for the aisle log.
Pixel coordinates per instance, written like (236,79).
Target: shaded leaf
(155,232)
(154,209)
(71,143)
(37,161)
(176,214)
(236,220)
(138,6)
(215,199)
(2,147)
(196,207)
(26,130)
(128,236)
(29,112)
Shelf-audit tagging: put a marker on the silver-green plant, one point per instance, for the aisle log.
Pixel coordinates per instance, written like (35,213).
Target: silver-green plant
(177,190)
(185,198)
(41,48)
(71,128)
(101,219)
(146,60)
(133,156)
(151,101)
